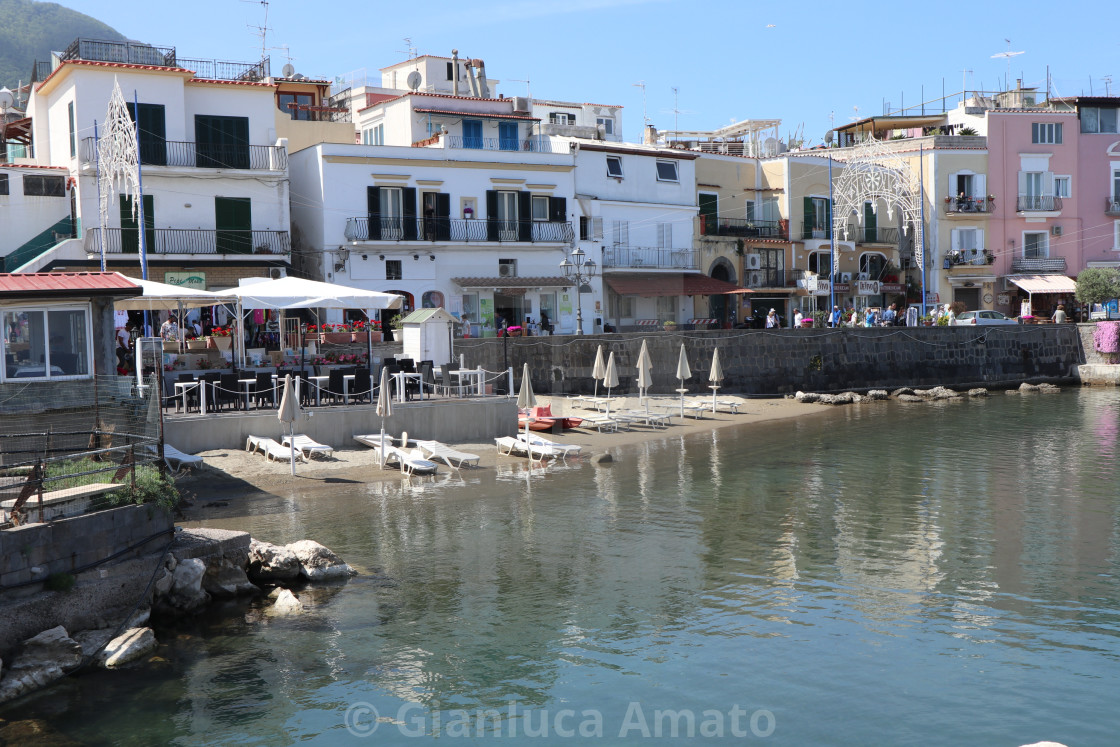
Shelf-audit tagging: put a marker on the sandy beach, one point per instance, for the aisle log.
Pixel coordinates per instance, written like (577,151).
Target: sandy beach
(230,472)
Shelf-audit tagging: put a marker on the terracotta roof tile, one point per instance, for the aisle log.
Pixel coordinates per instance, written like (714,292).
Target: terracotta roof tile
(67,284)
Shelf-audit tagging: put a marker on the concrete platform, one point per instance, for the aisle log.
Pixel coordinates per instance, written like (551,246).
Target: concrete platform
(1098,375)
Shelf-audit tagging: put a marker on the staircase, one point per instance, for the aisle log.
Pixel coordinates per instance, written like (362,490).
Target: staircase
(38,245)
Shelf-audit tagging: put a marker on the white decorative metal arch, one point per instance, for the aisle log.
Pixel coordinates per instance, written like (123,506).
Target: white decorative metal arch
(118,168)
(872,172)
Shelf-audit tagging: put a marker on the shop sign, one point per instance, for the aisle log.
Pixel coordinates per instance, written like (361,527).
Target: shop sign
(818,286)
(842,287)
(192,280)
(867,287)
(893,288)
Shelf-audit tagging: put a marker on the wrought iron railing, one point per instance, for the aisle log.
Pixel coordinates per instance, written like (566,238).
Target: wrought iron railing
(958,204)
(456,229)
(743,228)
(188,241)
(1038,203)
(651,257)
(969,257)
(764,278)
(534,145)
(810,230)
(1112,205)
(873,234)
(1029,265)
(133,53)
(203,155)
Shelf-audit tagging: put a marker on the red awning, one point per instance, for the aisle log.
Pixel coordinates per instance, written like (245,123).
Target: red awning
(668,284)
(67,284)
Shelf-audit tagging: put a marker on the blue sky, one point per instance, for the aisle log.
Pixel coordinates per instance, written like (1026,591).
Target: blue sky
(801,63)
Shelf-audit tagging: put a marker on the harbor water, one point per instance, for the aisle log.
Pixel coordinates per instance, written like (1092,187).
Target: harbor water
(941,573)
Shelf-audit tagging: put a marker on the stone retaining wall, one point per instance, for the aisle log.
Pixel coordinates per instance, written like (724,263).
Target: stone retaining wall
(774,362)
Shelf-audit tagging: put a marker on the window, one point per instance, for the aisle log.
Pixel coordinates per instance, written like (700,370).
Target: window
(392,214)
(614,166)
(768,210)
(46,344)
(151,120)
(561,118)
(621,233)
(1033,181)
(1046,133)
(295,105)
(507,136)
(540,208)
(507,216)
(1098,119)
(590,227)
(607,123)
(1116,235)
(872,265)
(1035,245)
(451,71)
(821,263)
(44,186)
(221,142)
(1062,186)
(73,132)
(748,211)
(1115,186)
(374,135)
(667,171)
(472,133)
(666,308)
(665,235)
(3,184)
(393,269)
(620,307)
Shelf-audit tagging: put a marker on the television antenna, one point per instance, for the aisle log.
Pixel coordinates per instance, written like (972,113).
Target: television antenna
(1007,56)
(528,91)
(409,49)
(263,29)
(964,84)
(642,85)
(1108,85)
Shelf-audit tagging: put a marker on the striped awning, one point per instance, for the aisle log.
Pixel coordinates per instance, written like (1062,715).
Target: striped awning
(1044,283)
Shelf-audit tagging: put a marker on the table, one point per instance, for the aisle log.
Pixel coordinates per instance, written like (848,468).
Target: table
(475,374)
(402,378)
(319,381)
(245,383)
(181,392)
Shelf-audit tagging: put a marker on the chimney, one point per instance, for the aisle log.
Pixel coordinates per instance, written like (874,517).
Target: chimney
(650,135)
(455,72)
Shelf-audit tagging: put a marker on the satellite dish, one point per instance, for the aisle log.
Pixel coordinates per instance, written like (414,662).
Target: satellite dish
(6,99)
(828,136)
(288,70)
(770,146)
(414,80)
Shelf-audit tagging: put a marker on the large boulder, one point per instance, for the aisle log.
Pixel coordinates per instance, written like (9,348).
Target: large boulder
(224,578)
(287,603)
(317,563)
(40,661)
(186,585)
(978,392)
(807,397)
(878,394)
(268,562)
(127,647)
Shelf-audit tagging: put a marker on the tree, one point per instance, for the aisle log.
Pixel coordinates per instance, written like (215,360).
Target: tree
(1098,284)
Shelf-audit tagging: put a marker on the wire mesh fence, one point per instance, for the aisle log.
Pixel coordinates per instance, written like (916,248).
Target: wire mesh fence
(70,447)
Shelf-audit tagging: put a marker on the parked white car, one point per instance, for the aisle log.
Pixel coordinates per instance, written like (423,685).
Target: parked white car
(969,318)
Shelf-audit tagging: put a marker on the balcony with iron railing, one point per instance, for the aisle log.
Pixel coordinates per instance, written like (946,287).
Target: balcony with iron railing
(187,241)
(955,204)
(970,257)
(744,228)
(646,258)
(1038,266)
(526,145)
(873,234)
(1038,204)
(457,229)
(1112,205)
(202,155)
(765,278)
(810,230)
(134,53)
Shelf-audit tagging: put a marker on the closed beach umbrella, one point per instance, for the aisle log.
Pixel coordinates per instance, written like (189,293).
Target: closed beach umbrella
(526,400)
(645,373)
(288,412)
(683,372)
(715,376)
(599,370)
(384,408)
(610,378)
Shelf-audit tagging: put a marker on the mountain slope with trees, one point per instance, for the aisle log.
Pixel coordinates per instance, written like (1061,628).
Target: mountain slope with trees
(30,31)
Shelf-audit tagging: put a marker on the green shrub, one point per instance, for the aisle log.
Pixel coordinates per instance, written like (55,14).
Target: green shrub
(150,488)
(59,582)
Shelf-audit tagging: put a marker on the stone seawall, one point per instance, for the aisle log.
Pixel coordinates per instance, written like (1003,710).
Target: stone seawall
(776,362)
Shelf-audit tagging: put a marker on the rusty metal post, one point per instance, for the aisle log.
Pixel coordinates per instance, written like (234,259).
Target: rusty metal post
(39,474)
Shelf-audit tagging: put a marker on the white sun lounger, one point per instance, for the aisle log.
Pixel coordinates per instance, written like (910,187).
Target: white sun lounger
(601,422)
(451,457)
(509,446)
(178,461)
(309,446)
(271,449)
(652,419)
(557,449)
(410,461)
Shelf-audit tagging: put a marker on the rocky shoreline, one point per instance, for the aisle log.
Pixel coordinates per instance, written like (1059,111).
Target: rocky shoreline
(201,566)
(908,394)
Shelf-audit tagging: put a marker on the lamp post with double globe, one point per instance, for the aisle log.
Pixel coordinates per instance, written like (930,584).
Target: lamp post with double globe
(579,268)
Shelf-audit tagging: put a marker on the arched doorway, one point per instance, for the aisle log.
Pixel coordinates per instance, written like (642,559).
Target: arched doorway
(718,306)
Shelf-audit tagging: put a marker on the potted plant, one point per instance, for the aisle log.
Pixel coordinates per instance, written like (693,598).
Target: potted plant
(927,320)
(220,338)
(514,331)
(669,326)
(335,333)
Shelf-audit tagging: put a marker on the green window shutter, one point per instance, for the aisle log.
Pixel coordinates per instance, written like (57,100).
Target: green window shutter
(130,235)
(810,214)
(233,219)
(408,213)
(524,216)
(491,215)
(373,210)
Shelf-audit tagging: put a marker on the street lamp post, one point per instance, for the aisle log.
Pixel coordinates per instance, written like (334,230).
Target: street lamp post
(578,268)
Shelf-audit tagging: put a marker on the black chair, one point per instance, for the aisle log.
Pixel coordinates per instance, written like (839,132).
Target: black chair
(448,381)
(191,393)
(361,389)
(264,390)
(427,377)
(407,365)
(306,395)
(228,391)
(335,384)
(393,368)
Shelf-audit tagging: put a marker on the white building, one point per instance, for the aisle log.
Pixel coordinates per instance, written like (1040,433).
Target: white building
(214,173)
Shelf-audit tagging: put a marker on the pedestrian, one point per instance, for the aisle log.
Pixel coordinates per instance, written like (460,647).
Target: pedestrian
(853,320)
(546,324)
(890,316)
(1060,315)
(870,318)
(466,320)
(772,319)
(797,317)
(169,330)
(834,317)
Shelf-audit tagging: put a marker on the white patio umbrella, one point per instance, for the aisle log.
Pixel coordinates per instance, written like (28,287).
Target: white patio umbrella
(715,376)
(384,409)
(645,373)
(526,400)
(599,370)
(610,379)
(683,372)
(287,413)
